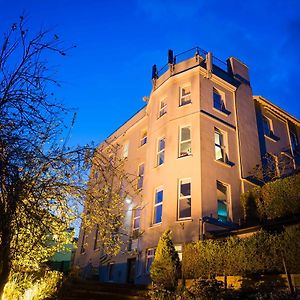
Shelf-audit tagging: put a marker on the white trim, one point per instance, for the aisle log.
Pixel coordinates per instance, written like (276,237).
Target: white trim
(179,197)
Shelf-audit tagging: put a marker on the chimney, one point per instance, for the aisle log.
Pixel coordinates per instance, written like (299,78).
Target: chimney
(209,64)
(238,70)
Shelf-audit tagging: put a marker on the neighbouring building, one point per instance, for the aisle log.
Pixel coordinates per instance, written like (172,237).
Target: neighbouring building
(195,145)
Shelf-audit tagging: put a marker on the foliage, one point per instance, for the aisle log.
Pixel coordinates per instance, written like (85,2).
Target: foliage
(32,287)
(108,188)
(260,253)
(42,180)
(276,199)
(164,270)
(206,289)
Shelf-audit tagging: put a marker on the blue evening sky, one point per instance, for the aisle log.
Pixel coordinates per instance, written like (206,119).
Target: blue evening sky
(109,72)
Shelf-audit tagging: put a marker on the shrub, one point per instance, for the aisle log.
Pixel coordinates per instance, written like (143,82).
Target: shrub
(206,289)
(261,252)
(276,199)
(32,287)
(165,268)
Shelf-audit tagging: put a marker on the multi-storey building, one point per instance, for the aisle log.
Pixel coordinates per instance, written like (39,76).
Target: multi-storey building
(194,145)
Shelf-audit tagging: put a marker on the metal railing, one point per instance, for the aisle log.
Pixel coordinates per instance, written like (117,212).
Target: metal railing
(189,54)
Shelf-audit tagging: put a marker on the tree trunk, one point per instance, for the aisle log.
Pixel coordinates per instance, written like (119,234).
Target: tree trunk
(5,262)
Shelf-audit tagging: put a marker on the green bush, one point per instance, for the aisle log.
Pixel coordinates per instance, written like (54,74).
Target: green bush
(274,200)
(165,269)
(261,252)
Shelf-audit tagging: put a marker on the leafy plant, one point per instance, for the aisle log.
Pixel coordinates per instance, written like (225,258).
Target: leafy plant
(165,269)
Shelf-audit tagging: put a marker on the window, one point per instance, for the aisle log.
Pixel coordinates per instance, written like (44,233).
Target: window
(83,242)
(97,241)
(144,137)
(178,248)
(161,151)
(184,199)
(222,198)
(136,221)
(150,253)
(125,150)
(294,141)
(140,176)
(185,142)
(220,149)
(162,108)
(110,269)
(158,206)
(267,126)
(185,95)
(218,100)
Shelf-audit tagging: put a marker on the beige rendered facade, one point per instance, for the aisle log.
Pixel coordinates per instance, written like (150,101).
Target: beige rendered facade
(195,144)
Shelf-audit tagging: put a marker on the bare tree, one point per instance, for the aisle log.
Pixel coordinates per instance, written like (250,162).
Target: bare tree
(109,187)
(41,179)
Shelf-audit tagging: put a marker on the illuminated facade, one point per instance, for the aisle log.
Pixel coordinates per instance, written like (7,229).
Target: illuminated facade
(194,147)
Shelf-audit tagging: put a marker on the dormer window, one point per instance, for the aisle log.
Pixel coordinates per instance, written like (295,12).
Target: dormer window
(185,95)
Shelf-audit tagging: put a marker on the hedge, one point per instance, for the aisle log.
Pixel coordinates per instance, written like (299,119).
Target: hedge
(260,253)
(274,200)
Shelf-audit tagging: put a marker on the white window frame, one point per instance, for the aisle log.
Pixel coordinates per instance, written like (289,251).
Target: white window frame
(228,198)
(162,109)
(189,153)
(223,146)
(156,205)
(143,140)
(160,151)
(136,230)
(222,98)
(125,150)
(150,254)
(140,181)
(179,197)
(270,126)
(185,99)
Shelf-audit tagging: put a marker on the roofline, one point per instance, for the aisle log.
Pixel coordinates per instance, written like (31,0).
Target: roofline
(263,100)
(132,116)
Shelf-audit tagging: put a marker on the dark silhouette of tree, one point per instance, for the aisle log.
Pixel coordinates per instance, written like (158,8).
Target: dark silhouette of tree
(41,179)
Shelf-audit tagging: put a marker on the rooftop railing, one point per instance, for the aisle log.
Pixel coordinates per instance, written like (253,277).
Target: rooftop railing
(187,55)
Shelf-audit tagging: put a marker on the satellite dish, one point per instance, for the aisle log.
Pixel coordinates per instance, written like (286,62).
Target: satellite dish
(145,98)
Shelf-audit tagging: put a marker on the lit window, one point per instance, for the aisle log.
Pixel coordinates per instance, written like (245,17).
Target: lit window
(267,126)
(150,253)
(178,248)
(161,151)
(185,142)
(220,149)
(218,100)
(162,107)
(222,198)
(144,138)
(140,176)
(125,150)
(184,199)
(185,95)
(158,206)
(136,221)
